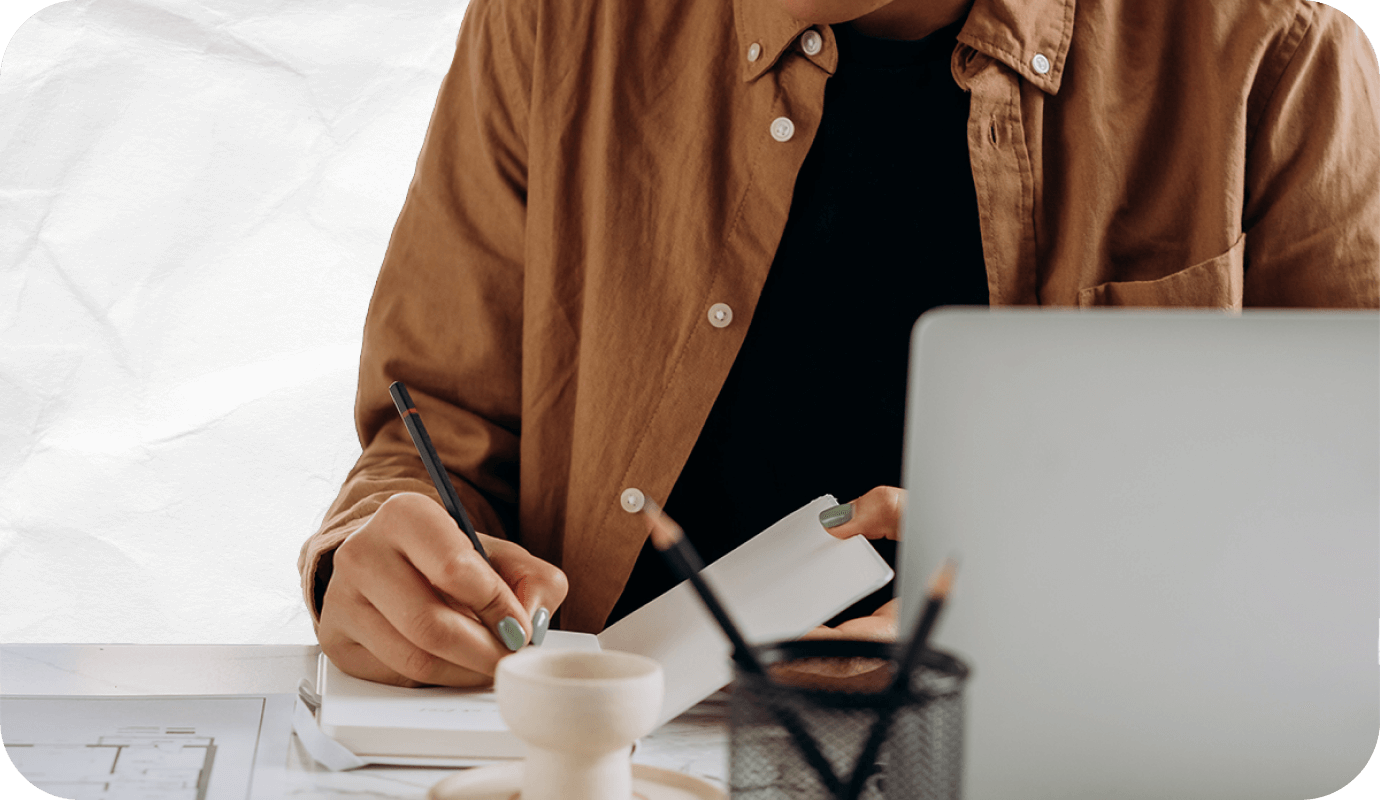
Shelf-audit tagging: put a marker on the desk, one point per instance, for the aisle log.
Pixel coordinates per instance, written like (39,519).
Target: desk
(695,742)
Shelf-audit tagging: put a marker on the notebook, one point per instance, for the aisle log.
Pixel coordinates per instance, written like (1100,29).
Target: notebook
(779,585)
(376,721)
(1168,526)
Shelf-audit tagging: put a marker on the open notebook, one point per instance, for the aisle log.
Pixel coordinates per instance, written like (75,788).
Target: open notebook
(778,585)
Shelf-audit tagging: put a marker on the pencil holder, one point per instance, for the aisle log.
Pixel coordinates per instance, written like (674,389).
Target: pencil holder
(800,732)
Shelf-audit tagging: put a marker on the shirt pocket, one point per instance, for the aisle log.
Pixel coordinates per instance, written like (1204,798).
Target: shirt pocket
(1215,283)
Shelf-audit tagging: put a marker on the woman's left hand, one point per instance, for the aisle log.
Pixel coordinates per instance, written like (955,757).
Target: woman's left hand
(875,515)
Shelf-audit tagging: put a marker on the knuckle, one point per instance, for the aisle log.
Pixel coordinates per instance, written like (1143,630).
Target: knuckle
(406,512)
(343,562)
(333,642)
(529,573)
(466,576)
(495,605)
(428,630)
(890,498)
(348,555)
(898,500)
(504,547)
(356,660)
(406,503)
(557,580)
(353,568)
(419,665)
(461,570)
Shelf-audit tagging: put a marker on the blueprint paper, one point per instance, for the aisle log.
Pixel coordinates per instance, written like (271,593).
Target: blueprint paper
(195,198)
(202,748)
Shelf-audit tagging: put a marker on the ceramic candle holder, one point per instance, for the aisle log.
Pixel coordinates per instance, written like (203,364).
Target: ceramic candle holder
(578,713)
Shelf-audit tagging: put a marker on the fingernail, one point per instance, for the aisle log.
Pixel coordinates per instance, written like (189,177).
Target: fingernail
(511,633)
(836,516)
(540,621)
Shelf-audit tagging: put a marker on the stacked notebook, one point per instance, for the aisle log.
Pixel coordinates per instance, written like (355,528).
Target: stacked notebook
(376,721)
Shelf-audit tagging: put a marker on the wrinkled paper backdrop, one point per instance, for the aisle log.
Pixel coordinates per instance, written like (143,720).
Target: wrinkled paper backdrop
(195,198)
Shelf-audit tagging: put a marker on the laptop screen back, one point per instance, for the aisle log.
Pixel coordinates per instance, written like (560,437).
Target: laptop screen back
(1168,534)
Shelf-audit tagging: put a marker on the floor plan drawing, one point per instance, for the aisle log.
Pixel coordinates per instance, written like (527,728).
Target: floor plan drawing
(138,748)
(140,762)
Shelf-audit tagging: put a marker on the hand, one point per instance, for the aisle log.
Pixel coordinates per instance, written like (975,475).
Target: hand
(879,626)
(411,603)
(875,515)
(848,674)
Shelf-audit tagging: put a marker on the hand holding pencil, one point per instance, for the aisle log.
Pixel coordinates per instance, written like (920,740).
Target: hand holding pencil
(418,597)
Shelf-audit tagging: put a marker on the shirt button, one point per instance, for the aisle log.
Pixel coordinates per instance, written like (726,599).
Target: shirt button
(632,500)
(720,315)
(782,129)
(811,42)
(1040,63)
(754,51)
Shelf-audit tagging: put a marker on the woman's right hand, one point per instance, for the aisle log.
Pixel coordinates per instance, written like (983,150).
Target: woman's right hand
(411,602)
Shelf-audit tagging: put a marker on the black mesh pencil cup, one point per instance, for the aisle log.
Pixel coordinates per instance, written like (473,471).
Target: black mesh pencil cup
(801,733)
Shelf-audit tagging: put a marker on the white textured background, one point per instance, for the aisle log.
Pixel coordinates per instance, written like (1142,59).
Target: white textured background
(195,198)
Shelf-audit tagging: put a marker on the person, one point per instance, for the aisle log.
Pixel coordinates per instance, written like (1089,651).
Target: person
(672,251)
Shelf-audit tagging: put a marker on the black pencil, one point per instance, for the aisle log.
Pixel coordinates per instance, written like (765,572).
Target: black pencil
(449,498)
(684,561)
(940,583)
(681,557)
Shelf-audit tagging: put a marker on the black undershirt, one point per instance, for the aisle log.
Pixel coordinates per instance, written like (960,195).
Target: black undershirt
(883,226)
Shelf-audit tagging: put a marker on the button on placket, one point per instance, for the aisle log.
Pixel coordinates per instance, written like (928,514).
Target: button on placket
(632,500)
(811,42)
(782,129)
(720,315)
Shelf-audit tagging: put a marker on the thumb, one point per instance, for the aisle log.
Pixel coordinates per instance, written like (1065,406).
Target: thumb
(875,515)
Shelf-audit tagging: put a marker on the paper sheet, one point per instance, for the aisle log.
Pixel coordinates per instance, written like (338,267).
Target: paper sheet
(779,585)
(152,748)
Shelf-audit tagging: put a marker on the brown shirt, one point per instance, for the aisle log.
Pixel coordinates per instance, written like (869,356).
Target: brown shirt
(601,179)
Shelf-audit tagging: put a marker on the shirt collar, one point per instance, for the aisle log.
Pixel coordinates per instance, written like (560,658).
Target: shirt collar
(766,24)
(1031,37)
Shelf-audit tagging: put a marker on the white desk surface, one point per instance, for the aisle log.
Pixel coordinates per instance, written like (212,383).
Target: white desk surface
(695,742)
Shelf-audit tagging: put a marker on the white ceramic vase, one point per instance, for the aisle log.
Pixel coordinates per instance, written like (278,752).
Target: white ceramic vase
(578,713)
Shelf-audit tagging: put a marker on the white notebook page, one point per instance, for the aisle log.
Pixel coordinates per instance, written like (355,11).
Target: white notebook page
(778,585)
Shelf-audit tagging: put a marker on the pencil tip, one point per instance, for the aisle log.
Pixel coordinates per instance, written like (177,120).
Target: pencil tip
(943,579)
(665,532)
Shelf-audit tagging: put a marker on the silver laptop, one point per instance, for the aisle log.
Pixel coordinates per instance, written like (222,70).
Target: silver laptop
(1168,533)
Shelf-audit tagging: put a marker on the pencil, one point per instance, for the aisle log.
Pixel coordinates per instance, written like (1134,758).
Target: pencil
(449,498)
(680,556)
(684,561)
(940,583)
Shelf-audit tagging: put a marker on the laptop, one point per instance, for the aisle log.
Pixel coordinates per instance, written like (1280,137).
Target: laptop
(1168,532)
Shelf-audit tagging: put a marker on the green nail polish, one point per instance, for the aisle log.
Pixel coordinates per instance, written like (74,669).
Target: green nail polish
(540,621)
(511,633)
(836,516)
